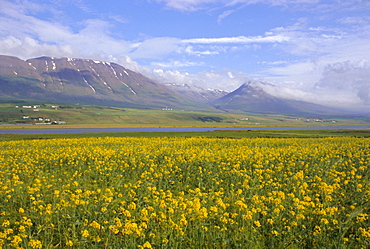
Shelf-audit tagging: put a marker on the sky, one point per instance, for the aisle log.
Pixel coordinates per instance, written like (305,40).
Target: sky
(312,50)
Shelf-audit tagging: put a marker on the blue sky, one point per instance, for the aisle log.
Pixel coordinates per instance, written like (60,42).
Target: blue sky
(312,50)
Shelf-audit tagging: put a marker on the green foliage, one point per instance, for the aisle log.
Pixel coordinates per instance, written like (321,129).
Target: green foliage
(209,119)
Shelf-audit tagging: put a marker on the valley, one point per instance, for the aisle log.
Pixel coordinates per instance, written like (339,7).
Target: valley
(40,114)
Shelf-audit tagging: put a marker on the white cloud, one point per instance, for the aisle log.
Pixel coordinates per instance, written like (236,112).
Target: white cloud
(301,68)
(190,50)
(128,63)
(119,19)
(343,85)
(344,100)
(225,80)
(347,76)
(238,40)
(176,64)
(155,48)
(354,20)
(188,5)
(224,15)
(28,48)
(274,2)
(279,62)
(31,36)
(310,49)
(194,5)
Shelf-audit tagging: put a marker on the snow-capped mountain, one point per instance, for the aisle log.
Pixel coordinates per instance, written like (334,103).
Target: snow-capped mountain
(71,80)
(196,93)
(251,97)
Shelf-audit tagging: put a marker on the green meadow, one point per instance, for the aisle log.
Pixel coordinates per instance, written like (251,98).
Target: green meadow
(97,116)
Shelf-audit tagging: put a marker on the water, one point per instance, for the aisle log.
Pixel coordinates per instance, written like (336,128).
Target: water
(164,129)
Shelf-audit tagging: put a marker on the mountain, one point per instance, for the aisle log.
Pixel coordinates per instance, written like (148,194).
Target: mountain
(196,93)
(69,80)
(72,81)
(251,97)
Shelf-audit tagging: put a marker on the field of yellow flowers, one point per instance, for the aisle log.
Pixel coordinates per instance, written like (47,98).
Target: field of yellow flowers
(185,193)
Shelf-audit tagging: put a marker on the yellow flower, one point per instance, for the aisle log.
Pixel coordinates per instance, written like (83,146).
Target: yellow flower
(365,233)
(69,243)
(132,206)
(85,233)
(16,240)
(324,221)
(257,223)
(147,245)
(300,217)
(362,217)
(97,239)
(95,224)
(35,244)
(317,230)
(6,223)
(183,221)
(22,229)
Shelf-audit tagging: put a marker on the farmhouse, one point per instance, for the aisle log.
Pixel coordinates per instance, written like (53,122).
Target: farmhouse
(59,122)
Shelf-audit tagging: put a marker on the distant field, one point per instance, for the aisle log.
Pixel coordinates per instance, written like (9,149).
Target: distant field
(95,116)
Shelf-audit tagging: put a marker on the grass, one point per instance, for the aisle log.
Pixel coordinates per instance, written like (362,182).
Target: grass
(95,116)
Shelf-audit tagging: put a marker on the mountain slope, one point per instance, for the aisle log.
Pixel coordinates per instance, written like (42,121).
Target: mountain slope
(68,80)
(250,97)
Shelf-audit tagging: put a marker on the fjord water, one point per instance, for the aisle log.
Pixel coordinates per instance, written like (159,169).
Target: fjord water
(164,129)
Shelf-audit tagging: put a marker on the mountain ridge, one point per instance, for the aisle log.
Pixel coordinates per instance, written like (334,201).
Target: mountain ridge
(92,82)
